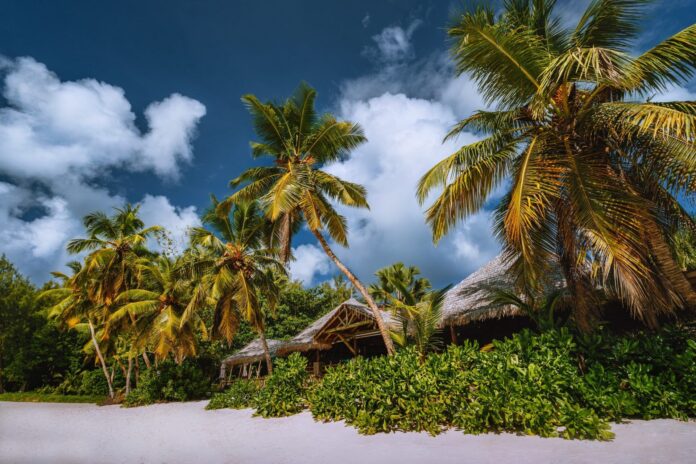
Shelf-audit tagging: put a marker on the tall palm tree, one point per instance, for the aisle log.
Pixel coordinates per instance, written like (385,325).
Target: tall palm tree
(239,271)
(407,276)
(75,306)
(156,307)
(596,170)
(114,243)
(295,188)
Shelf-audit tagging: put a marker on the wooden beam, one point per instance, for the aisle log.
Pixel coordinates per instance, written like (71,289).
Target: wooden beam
(345,342)
(453,334)
(343,328)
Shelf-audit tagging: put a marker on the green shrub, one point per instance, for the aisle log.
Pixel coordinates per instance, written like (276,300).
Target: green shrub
(240,394)
(549,384)
(285,391)
(170,382)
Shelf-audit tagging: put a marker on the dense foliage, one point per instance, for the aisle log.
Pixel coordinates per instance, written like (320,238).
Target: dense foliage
(33,350)
(170,382)
(552,384)
(285,391)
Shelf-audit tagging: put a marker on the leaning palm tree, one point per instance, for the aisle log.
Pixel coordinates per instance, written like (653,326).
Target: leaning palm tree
(239,271)
(407,276)
(155,309)
(295,188)
(596,171)
(74,307)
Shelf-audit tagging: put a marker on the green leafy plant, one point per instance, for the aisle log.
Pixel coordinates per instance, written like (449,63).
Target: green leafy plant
(240,394)
(286,389)
(170,382)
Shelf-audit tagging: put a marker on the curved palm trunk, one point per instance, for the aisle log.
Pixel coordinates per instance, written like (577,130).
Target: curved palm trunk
(388,344)
(266,351)
(101,358)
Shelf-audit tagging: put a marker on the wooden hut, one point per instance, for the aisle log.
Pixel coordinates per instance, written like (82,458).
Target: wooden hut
(249,361)
(346,331)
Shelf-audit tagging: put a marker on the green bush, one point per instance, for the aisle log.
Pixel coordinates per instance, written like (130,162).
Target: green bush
(285,391)
(549,384)
(240,394)
(170,382)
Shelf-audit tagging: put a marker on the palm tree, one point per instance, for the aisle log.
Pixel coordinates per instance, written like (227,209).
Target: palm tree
(156,307)
(596,172)
(115,244)
(75,306)
(239,271)
(407,276)
(420,316)
(294,188)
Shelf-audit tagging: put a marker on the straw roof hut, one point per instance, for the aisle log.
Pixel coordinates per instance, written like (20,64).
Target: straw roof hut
(252,352)
(464,304)
(351,319)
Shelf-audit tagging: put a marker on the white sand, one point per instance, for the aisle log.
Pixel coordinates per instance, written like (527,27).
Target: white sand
(186,433)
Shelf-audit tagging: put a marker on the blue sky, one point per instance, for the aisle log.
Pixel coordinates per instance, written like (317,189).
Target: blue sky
(140,100)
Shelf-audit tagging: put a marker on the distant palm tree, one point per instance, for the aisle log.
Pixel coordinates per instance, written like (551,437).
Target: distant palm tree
(596,172)
(75,306)
(238,269)
(420,316)
(384,289)
(156,307)
(295,188)
(115,243)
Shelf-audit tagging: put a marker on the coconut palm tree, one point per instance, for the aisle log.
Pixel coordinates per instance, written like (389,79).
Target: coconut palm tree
(295,188)
(155,309)
(239,271)
(114,243)
(75,307)
(384,289)
(596,170)
(420,315)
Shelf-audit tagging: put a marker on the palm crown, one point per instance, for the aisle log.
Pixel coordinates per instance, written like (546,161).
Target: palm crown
(301,142)
(595,172)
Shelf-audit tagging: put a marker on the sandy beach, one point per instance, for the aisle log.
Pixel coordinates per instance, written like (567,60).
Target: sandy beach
(186,433)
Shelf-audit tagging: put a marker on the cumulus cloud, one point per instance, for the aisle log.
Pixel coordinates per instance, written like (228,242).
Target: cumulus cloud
(157,210)
(59,139)
(52,128)
(405,107)
(310,263)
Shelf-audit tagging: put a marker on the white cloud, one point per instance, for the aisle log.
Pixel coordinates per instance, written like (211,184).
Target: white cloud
(310,262)
(675,93)
(52,128)
(58,140)
(393,44)
(157,210)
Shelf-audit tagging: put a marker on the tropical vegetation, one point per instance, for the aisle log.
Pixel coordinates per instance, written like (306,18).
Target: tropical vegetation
(597,168)
(598,173)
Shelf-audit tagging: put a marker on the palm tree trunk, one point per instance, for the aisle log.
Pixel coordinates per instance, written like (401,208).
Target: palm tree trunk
(101,358)
(388,344)
(146,359)
(128,374)
(266,351)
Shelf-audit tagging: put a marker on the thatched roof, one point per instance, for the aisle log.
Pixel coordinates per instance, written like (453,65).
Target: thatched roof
(464,304)
(252,352)
(307,339)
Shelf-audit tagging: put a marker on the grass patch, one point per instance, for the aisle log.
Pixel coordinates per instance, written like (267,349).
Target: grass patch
(33,397)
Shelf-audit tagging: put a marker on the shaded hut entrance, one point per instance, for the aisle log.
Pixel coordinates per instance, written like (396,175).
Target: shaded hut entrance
(249,362)
(347,331)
